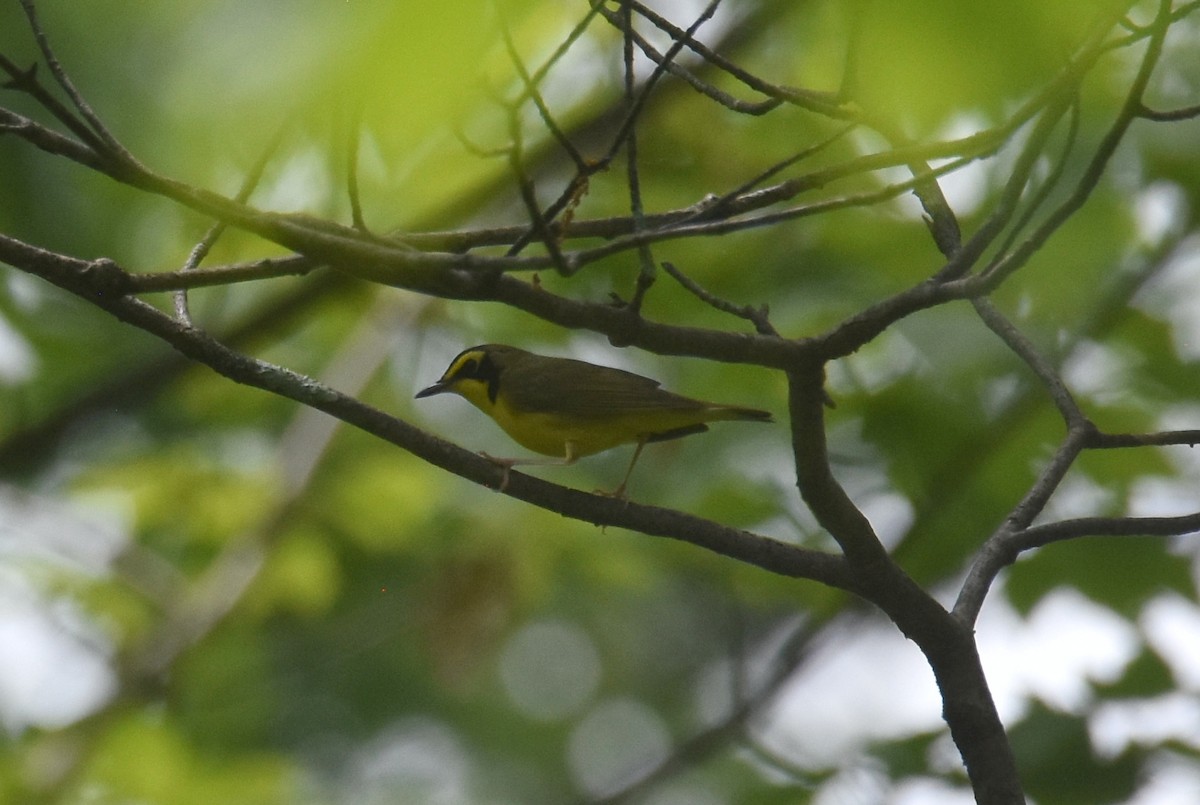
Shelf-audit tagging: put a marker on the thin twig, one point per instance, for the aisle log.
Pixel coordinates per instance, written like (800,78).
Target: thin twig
(50,141)
(758,316)
(964,466)
(253,271)
(754,108)
(531,91)
(634,109)
(857,14)
(970,253)
(575,188)
(1004,545)
(620,139)
(1047,187)
(1166,115)
(670,231)
(1042,535)
(570,39)
(1002,548)
(718,204)
(646,270)
(1004,268)
(353,136)
(823,102)
(797,648)
(201,249)
(1025,349)
(114,147)
(660,227)
(538,224)
(1000,553)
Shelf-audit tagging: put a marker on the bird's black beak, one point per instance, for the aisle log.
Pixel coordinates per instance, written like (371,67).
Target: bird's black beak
(437,388)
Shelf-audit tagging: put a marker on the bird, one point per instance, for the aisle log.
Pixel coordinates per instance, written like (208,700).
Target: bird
(569,409)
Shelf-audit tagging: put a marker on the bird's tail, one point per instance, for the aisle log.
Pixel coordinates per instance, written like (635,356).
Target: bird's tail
(737,412)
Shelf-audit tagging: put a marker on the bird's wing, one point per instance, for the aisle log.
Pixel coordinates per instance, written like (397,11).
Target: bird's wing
(587,390)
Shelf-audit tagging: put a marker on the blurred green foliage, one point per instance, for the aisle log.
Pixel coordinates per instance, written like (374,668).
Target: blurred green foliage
(362,662)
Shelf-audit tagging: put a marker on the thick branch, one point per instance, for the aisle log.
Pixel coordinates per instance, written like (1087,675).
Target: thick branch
(829,503)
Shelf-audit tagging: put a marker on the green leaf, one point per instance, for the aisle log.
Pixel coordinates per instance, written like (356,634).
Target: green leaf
(1058,765)
(1122,573)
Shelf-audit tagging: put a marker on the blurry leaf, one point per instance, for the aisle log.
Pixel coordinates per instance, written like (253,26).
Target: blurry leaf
(124,612)
(923,59)
(1146,676)
(301,576)
(1058,765)
(1142,568)
(222,695)
(145,759)
(907,758)
(466,606)
(376,499)
(221,501)
(1161,371)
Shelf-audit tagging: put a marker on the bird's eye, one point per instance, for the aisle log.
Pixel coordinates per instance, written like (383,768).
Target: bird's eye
(469,368)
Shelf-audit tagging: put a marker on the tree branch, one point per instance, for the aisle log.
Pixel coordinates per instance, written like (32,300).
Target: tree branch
(1130,111)
(1041,367)
(100,282)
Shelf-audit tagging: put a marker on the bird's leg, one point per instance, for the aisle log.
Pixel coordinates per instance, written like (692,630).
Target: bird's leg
(619,492)
(506,464)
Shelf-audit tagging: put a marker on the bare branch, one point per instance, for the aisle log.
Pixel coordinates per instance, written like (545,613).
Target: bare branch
(1041,535)
(201,250)
(111,146)
(531,91)
(1133,105)
(471,265)
(268,268)
(705,88)
(1025,349)
(49,140)
(1169,115)
(756,316)
(748,705)
(823,102)
(569,40)
(1048,186)
(353,136)
(539,225)
(1000,553)
(1002,547)
(1165,438)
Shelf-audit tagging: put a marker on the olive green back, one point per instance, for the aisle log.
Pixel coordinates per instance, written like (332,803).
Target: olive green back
(536,383)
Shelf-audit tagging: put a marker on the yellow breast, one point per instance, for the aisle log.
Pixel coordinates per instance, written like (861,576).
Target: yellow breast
(549,433)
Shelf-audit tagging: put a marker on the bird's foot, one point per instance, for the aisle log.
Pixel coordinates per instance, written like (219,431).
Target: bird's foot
(505,464)
(620,493)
